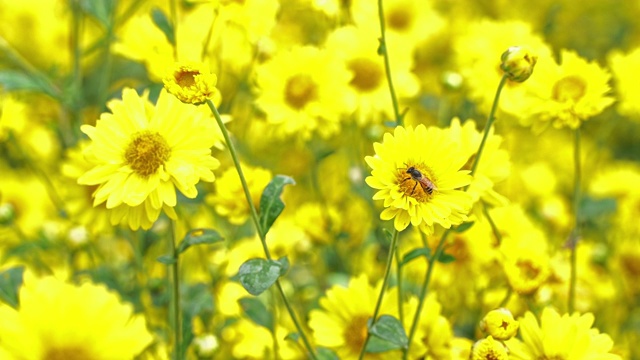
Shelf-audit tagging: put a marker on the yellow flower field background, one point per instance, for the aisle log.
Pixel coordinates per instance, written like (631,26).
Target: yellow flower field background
(319,179)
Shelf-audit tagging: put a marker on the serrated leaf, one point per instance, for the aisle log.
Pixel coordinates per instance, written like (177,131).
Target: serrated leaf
(257,275)
(463,227)
(446,258)
(166,259)
(11,80)
(197,237)
(416,253)
(270,203)
(326,354)
(10,282)
(257,312)
(164,24)
(390,329)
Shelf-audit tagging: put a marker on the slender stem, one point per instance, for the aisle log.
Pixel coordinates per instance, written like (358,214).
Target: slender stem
(385,279)
(494,228)
(400,292)
(173,9)
(256,222)
(382,50)
(177,324)
(487,126)
(575,234)
(425,288)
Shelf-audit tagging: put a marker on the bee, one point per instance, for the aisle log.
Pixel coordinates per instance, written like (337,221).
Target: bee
(417,176)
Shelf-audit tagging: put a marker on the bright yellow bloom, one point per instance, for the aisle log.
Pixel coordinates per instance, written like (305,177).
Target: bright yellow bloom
(489,349)
(625,72)
(56,320)
(569,337)
(304,92)
(434,335)
(500,324)
(341,324)
(141,153)
(191,83)
(417,172)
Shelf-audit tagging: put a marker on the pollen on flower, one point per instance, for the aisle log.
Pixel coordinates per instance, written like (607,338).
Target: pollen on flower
(147,152)
(356,332)
(421,188)
(300,90)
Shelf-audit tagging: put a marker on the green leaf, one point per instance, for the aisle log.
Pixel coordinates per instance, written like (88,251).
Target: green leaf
(11,80)
(390,329)
(10,282)
(378,345)
(414,254)
(270,203)
(100,10)
(257,312)
(257,275)
(326,354)
(166,259)
(446,258)
(163,23)
(463,227)
(197,237)
(197,300)
(284,263)
(592,209)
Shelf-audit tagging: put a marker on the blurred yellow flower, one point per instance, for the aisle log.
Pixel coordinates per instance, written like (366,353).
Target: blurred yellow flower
(417,172)
(526,271)
(489,349)
(57,320)
(569,337)
(229,200)
(303,92)
(625,72)
(141,153)
(499,324)
(191,83)
(341,323)
(434,335)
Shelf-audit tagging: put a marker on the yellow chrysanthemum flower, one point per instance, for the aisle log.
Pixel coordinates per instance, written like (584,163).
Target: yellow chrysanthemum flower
(191,83)
(56,320)
(417,172)
(625,72)
(568,337)
(141,153)
(500,324)
(229,190)
(341,324)
(434,335)
(565,95)
(304,91)
(489,349)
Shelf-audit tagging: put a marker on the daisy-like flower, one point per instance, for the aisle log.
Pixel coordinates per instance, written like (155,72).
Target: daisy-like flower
(191,83)
(565,95)
(56,320)
(341,324)
(489,349)
(417,172)
(304,91)
(569,337)
(141,153)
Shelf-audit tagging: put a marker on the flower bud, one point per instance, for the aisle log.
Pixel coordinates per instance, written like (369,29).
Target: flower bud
(499,324)
(518,62)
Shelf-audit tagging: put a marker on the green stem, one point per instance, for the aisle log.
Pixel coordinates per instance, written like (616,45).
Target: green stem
(424,290)
(575,234)
(387,66)
(487,126)
(173,9)
(256,222)
(400,293)
(385,279)
(494,228)
(177,324)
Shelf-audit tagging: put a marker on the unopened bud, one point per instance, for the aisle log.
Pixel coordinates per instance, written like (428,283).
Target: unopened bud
(500,324)
(518,63)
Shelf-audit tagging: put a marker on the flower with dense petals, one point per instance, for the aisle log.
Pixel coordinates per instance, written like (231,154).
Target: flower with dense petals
(417,174)
(489,349)
(191,83)
(57,320)
(500,324)
(141,153)
(567,337)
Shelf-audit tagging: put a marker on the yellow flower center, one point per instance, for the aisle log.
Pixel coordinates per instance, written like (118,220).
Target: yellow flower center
(420,188)
(355,332)
(528,270)
(367,74)
(147,152)
(67,353)
(399,18)
(186,78)
(300,90)
(570,88)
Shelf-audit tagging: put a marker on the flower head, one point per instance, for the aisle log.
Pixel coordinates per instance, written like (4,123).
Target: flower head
(191,83)
(500,324)
(141,153)
(56,320)
(489,349)
(518,63)
(417,172)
